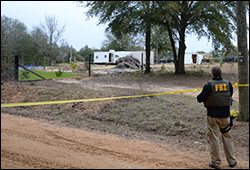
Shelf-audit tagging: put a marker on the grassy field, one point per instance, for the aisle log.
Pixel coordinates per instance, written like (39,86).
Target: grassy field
(45,74)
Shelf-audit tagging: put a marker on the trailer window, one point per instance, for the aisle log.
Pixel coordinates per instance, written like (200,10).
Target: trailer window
(116,56)
(96,57)
(105,56)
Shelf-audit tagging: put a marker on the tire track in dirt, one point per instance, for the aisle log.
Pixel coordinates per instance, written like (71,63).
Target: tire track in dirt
(29,143)
(75,146)
(47,146)
(33,161)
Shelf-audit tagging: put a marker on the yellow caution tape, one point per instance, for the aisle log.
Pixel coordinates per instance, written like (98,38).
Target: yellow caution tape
(85,100)
(234,113)
(236,85)
(96,99)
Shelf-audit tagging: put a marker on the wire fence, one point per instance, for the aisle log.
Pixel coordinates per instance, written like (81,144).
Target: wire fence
(7,72)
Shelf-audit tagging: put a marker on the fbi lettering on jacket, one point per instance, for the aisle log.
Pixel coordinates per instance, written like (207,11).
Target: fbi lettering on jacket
(221,87)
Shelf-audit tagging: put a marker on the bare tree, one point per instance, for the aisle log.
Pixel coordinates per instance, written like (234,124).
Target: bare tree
(54,33)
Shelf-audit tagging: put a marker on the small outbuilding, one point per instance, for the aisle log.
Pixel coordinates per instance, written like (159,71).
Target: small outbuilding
(111,56)
(193,58)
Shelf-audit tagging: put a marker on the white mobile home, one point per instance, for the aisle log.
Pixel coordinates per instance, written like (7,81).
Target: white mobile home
(111,56)
(193,58)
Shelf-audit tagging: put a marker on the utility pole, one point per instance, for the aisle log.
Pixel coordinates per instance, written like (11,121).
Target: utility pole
(242,61)
(70,57)
(89,64)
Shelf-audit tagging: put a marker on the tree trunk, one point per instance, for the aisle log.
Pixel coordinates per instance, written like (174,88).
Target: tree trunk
(182,46)
(173,47)
(148,31)
(159,53)
(158,56)
(181,54)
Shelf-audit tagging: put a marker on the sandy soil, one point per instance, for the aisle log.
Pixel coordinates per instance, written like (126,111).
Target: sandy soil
(28,143)
(37,144)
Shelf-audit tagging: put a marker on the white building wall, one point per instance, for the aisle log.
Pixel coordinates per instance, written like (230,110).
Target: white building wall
(99,57)
(188,58)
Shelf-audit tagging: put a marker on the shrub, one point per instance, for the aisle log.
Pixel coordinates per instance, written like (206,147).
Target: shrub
(25,74)
(59,73)
(163,68)
(221,63)
(73,65)
(44,64)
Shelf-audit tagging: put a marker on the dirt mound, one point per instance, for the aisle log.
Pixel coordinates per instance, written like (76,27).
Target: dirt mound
(128,61)
(80,68)
(66,67)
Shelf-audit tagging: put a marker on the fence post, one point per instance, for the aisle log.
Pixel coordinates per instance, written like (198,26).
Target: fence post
(16,67)
(89,64)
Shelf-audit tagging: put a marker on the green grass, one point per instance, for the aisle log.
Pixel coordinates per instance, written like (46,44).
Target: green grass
(48,75)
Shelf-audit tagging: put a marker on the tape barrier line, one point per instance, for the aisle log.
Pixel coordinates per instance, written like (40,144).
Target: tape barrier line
(96,99)
(236,85)
(85,100)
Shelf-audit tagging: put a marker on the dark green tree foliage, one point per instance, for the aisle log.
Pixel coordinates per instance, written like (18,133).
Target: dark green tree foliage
(13,37)
(40,45)
(85,51)
(5,30)
(76,55)
(215,20)
(160,41)
(33,48)
(122,43)
(125,17)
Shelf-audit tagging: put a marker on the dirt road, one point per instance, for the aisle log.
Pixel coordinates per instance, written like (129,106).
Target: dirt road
(28,143)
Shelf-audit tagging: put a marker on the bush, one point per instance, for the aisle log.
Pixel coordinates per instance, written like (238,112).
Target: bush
(73,65)
(44,64)
(221,62)
(163,68)
(59,73)
(25,74)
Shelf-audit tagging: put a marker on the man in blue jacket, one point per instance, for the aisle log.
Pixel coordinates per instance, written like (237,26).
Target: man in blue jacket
(217,98)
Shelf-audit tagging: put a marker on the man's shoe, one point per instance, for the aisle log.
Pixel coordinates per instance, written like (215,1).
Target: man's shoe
(233,165)
(212,166)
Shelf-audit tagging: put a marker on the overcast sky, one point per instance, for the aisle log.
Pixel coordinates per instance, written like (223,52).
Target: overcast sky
(79,31)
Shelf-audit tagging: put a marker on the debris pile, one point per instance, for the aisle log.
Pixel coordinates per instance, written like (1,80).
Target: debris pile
(66,67)
(128,62)
(81,68)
